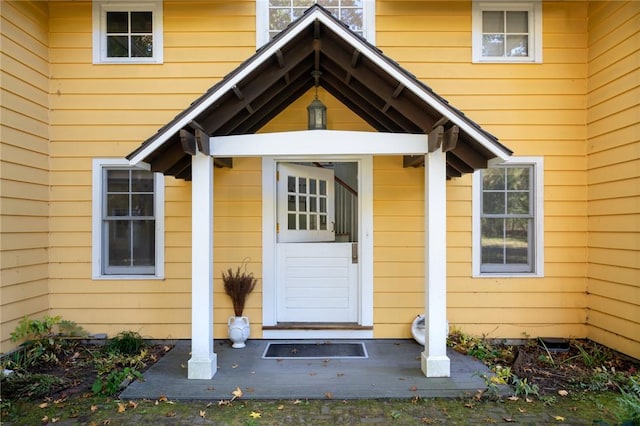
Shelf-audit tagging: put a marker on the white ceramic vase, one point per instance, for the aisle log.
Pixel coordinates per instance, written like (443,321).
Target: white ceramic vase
(239,330)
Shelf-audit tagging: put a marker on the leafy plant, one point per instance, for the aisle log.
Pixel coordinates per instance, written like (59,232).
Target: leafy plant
(238,284)
(43,340)
(112,383)
(630,402)
(18,386)
(126,343)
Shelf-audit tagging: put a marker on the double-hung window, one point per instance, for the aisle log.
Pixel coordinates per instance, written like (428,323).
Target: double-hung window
(274,16)
(128,221)
(508,219)
(507,31)
(127,32)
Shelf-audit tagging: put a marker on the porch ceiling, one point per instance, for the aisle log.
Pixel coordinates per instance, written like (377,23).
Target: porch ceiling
(356,73)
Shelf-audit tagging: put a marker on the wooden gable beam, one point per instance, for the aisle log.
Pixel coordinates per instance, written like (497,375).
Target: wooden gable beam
(450,138)
(188,142)
(470,156)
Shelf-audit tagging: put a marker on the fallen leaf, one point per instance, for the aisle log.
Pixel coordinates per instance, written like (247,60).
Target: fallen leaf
(563,392)
(183,366)
(55,419)
(133,404)
(255,415)
(529,400)
(296,402)
(43,405)
(121,407)
(170,414)
(167,348)
(236,393)
(45,419)
(328,395)
(94,408)
(163,398)
(203,414)
(513,398)
(522,410)
(508,419)
(559,418)
(234,366)
(60,401)
(281,407)
(469,405)
(106,422)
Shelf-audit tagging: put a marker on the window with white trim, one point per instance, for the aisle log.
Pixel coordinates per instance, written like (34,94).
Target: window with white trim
(508,218)
(127,32)
(274,16)
(507,31)
(128,221)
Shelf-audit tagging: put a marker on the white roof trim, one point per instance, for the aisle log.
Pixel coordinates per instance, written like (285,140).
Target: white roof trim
(356,43)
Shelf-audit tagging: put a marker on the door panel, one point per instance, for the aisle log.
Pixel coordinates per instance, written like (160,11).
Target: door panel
(317,282)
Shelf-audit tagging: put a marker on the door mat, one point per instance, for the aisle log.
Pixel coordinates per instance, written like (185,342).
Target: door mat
(315,350)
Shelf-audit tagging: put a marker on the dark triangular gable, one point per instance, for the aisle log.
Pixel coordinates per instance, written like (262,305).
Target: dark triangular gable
(355,72)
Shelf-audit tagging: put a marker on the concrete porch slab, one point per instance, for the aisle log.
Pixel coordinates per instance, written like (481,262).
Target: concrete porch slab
(392,370)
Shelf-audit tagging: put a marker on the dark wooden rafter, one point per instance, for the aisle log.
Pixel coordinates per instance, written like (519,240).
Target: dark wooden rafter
(450,138)
(188,142)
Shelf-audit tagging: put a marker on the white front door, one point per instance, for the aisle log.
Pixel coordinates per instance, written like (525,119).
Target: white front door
(316,277)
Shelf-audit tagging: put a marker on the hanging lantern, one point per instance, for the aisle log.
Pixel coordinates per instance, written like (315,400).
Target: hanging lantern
(317,115)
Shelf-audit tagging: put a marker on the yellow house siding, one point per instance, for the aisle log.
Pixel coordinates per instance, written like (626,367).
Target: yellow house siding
(536,110)
(24,164)
(106,111)
(613,162)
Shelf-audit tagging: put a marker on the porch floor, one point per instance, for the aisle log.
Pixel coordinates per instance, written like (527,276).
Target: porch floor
(392,370)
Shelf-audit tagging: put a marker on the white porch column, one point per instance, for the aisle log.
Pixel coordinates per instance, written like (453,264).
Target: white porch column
(203,362)
(435,362)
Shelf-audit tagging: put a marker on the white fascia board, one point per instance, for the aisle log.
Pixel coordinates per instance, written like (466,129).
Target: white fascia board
(410,84)
(318,142)
(215,95)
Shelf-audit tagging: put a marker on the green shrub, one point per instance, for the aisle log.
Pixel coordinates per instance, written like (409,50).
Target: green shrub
(114,381)
(126,343)
(630,402)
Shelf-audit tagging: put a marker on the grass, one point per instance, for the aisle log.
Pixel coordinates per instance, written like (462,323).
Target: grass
(88,409)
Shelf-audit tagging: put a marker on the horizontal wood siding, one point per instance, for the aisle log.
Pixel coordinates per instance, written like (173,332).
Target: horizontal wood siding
(24,164)
(613,163)
(107,111)
(536,110)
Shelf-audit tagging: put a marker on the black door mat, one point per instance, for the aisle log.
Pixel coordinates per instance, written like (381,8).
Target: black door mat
(315,350)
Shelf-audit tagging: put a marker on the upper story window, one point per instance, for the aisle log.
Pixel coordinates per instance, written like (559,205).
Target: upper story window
(273,16)
(126,32)
(128,221)
(507,32)
(508,218)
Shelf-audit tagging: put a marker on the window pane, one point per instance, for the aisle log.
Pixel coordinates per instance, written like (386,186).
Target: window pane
(493,179)
(516,241)
(518,178)
(279,19)
(119,237)
(142,205)
(141,181)
(312,186)
(302,218)
(493,202)
(313,207)
(302,204)
(304,3)
(493,22)
(517,22)
(118,180)
(518,202)
(491,246)
(144,243)
(323,205)
(353,18)
(291,221)
(117,46)
(291,184)
(492,45)
(517,45)
(323,222)
(323,187)
(117,22)
(302,185)
(279,3)
(117,205)
(141,22)
(313,222)
(142,46)
(291,203)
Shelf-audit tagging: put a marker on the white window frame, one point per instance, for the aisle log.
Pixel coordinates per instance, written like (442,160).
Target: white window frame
(534,9)
(538,220)
(99,164)
(100,9)
(262,21)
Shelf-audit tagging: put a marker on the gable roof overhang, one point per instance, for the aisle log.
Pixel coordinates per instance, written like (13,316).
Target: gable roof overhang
(359,75)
